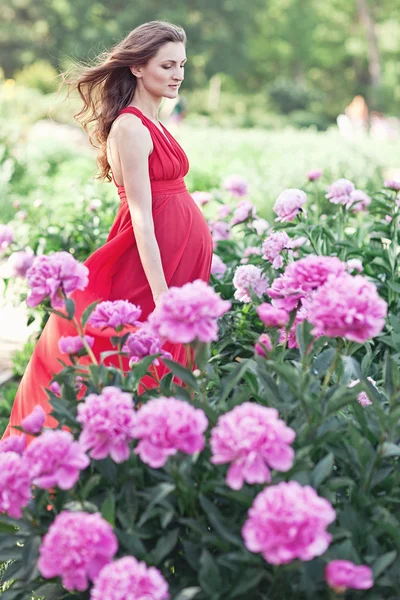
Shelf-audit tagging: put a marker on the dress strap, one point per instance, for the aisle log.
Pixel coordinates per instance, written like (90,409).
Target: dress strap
(147,122)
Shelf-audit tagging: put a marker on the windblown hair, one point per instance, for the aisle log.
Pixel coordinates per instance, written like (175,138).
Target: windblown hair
(108,85)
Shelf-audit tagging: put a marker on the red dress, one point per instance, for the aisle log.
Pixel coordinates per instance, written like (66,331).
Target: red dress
(115,270)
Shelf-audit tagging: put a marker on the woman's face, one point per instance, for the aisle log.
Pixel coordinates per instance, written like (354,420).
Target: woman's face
(164,73)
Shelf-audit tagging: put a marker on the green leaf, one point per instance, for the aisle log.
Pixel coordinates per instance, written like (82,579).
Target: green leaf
(247,581)
(165,384)
(324,361)
(90,485)
(188,593)
(390,375)
(61,410)
(140,369)
(88,311)
(11,594)
(217,521)
(159,492)
(185,374)
(209,575)
(202,353)
(50,591)
(229,382)
(107,353)
(107,468)
(70,308)
(132,543)
(108,509)
(322,470)
(164,546)
(304,337)
(389,449)
(394,286)
(382,563)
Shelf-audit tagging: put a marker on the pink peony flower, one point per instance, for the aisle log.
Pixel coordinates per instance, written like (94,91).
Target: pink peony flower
(201,198)
(250,251)
(129,579)
(263,346)
(188,313)
(21,215)
(166,425)
(220,230)
(224,211)
(33,423)
(14,443)
(51,275)
(359,201)
(392,184)
(340,191)
(6,236)
(348,307)
(314,174)
(288,521)
(114,314)
(302,277)
(20,262)
(94,205)
(246,277)
(218,267)
(15,484)
(55,459)
(236,185)
(272,316)
(288,204)
(108,422)
(55,388)
(260,225)
(72,344)
(297,242)
(253,440)
(354,264)
(341,575)
(273,246)
(291,336)
(244,210)
(76,548)
(362,398)
(144,343)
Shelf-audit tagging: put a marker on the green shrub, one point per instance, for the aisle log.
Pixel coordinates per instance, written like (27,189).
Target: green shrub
(288,95)
(41,76)
(304,119)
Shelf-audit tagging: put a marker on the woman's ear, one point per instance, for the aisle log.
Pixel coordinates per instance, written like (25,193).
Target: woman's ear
(136,71)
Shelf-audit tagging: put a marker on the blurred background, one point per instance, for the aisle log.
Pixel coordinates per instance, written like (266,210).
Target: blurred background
(273,88)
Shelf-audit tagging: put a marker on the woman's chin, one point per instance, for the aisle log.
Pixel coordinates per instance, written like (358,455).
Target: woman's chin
(171,93)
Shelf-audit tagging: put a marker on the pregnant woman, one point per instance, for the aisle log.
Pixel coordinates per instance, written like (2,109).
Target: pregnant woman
(159,237)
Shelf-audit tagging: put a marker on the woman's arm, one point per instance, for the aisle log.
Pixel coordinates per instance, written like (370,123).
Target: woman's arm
(134,145)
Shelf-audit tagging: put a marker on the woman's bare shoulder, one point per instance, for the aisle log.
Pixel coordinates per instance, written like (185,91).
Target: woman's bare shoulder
(128,132)
(129,125)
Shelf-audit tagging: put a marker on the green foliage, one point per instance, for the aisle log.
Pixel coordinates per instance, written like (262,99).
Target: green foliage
(183,518)
(40,75)
(289,95)
(323,47)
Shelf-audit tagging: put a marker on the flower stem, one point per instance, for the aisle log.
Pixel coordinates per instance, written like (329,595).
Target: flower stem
(85,344)
(333,366)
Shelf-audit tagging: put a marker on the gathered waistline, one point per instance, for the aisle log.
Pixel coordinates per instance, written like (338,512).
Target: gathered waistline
(159,188)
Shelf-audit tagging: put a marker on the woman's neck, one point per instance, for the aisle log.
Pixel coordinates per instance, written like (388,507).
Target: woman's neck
(148,106)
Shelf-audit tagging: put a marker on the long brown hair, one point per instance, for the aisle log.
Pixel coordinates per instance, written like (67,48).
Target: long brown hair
(108,85)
